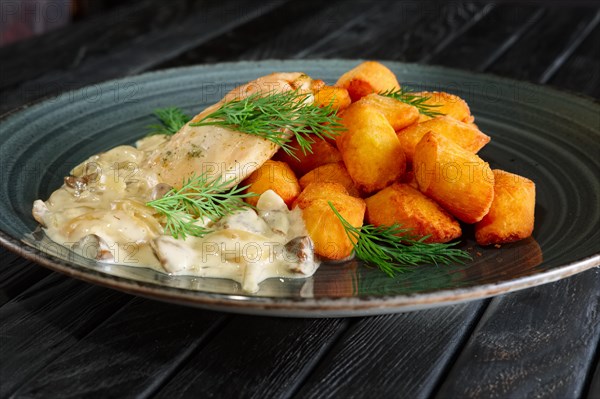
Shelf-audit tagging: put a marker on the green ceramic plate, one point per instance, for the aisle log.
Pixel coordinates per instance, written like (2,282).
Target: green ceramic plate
(546,135)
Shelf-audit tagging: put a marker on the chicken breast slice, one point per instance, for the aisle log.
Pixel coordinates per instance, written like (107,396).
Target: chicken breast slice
(220,151)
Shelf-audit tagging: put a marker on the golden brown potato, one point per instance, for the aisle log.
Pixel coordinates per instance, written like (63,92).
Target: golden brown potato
(323,225)
(330,173)
(319,190)
(276,176)
(449,104)
(370,148)
(316,85)
(338,97)
(405,205)
(511,215)
(368,77)
(323,152)
(458,180)
(466,135)
(398,114)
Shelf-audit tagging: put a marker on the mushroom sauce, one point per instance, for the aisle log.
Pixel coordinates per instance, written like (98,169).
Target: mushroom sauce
(100,212)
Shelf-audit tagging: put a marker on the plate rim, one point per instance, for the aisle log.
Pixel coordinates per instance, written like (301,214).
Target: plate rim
(558,91)
(299,307)
(295,307)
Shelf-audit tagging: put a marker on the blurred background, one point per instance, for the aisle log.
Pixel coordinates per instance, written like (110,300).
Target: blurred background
(48,47)
(21,19)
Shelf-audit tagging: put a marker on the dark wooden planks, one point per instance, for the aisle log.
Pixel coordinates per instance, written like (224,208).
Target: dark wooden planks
(594,391)
(534,343)
(278,34)
(288,32)
(141,53)
(480,46)
(581,72)
(299,38)
(543,43)
(255,358)
(403,31)
(352,28)
(17,274)
(47,319)
(65,48)
(570,48)
(394,355)
(130,355)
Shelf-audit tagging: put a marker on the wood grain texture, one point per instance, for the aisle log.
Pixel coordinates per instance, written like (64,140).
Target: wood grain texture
(17,274)
(299,38)
(570,48)
(581,72)
(354,28)
(277,34)
(129,355)
(255,357)
(401,31)
(67,47)
(594,391)
(141,53)
(401,355)
(480,46)
(529,58)
(535,343)
(46,320)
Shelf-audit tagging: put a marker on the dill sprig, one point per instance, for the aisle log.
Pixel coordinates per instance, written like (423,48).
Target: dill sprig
(392,247)
(417,101)
(274,115)
(198,198)
(171,120)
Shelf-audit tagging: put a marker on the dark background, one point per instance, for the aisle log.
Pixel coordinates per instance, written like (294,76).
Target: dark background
(60,337)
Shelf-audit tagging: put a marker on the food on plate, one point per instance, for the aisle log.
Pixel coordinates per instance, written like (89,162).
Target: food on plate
(324,227)
(218,194)
(392,247)
(198,147)
(337,97)
(466,135)
(366,78)
(155,205)
(446,104)
(511,215)
(410,179)
(370,148)
(248,246)
(276,176)
(397,113)
(404,205)
(323,152)
(458,180)
(330,173)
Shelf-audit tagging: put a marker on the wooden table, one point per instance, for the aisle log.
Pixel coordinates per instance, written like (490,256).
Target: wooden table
(64,338)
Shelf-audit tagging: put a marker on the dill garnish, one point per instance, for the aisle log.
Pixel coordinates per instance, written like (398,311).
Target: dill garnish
(391,248)
(274,116)
(198,198)
(171,120)
(419,102)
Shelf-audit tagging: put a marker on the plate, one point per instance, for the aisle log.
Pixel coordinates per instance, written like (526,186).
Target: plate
(549,136)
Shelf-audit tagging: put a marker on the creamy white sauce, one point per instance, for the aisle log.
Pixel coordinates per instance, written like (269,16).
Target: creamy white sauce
(100,213)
